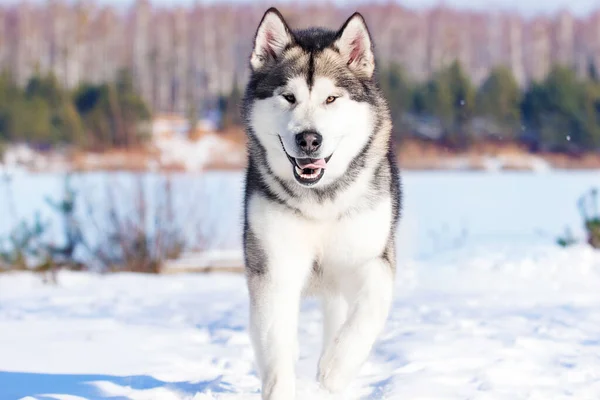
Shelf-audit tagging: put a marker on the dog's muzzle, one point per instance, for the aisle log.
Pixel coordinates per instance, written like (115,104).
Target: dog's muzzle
(307,171)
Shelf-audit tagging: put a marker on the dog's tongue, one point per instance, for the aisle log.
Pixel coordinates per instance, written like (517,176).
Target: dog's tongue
(312,163)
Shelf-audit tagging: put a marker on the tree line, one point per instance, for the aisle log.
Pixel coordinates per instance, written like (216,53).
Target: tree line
(560,113)
(94,116)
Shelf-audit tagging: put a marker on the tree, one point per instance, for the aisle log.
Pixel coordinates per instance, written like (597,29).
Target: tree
(64,125)
(592,71)
(68,125)
(590,113)
(450,97)
(499,99)
(129,110)
(30,120)
(45,87)
(563,112)
(114,113)
(9,94)
(463,101)
(231,107)
(398,91)
(89,102)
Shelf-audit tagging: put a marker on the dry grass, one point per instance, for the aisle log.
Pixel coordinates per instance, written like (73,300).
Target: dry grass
(420,155)
(565,161)
(413,155)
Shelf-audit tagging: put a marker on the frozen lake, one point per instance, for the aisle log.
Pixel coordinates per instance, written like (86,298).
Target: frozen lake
(442,210)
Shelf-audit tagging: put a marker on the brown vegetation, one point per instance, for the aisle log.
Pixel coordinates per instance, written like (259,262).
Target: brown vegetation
(421,155)
(413,154)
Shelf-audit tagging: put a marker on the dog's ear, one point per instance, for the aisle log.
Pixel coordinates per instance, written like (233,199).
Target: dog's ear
(355,46)
(272,37)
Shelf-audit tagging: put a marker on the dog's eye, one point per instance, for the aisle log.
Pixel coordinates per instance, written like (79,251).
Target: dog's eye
(330,99)
(290,98)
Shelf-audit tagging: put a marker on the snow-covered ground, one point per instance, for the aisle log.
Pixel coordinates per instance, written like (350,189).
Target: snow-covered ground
(511,323)
(486,306)
(196,155)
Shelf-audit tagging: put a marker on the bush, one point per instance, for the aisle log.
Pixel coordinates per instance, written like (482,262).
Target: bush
(138,241)
(24,248)
(589,207)
(567,239)
(28,247)
(589,210)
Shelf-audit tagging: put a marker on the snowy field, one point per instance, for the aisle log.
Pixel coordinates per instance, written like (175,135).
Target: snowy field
(486,307)
(519,324)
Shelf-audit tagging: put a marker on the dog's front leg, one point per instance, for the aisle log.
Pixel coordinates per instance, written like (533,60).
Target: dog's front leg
(275,297)
(335,312)
(369,293)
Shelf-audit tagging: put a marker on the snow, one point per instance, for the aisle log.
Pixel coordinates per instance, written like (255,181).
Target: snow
(195,155)
(516,161)
(213,258)
(517,322)
(486,305)
(18,158)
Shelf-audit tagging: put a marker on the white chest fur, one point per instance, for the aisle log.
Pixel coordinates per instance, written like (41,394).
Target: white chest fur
(334,243)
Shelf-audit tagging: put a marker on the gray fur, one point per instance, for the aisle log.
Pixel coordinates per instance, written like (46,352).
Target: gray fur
(263,83)
(303,235)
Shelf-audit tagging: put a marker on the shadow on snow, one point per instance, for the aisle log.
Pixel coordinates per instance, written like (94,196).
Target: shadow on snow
(16,385)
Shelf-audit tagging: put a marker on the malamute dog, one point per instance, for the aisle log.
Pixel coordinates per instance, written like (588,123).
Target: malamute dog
(322,198)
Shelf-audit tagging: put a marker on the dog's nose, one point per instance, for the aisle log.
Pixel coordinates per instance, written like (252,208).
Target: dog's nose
(309,141)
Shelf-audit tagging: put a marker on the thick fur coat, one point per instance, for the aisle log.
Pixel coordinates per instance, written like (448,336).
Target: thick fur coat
(322,199)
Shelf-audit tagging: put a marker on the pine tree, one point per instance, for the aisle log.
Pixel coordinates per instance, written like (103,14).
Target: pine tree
(499,99)
(398,92)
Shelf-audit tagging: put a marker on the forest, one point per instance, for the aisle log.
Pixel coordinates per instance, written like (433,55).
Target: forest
(559,114)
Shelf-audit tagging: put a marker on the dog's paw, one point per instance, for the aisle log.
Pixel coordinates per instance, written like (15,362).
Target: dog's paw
(281,387)
(279,392)
(335,373)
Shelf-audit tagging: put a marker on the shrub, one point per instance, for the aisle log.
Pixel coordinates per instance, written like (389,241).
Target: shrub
(138,241)
(588,208)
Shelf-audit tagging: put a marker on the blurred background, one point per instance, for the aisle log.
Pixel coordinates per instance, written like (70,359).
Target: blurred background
(121,145)
(122,150)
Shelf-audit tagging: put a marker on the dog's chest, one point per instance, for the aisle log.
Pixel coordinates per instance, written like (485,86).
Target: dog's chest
(356,239)
(332,243)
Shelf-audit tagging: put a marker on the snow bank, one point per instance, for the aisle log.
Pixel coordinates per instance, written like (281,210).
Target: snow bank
(196,155)
(507,322)
(21,157)
(525,162)
(521,162)
(200,260)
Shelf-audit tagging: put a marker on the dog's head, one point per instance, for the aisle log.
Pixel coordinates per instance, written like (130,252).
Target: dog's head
(311,100)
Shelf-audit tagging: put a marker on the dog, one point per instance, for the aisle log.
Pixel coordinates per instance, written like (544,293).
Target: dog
(322,198)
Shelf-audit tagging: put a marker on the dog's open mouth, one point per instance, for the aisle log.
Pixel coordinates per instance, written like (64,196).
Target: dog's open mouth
(308,171)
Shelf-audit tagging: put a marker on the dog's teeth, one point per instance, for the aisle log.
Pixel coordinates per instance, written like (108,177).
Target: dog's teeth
(314,175)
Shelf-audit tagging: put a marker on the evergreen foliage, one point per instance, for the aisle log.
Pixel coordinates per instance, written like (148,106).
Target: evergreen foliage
(44,113)
(560,113)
